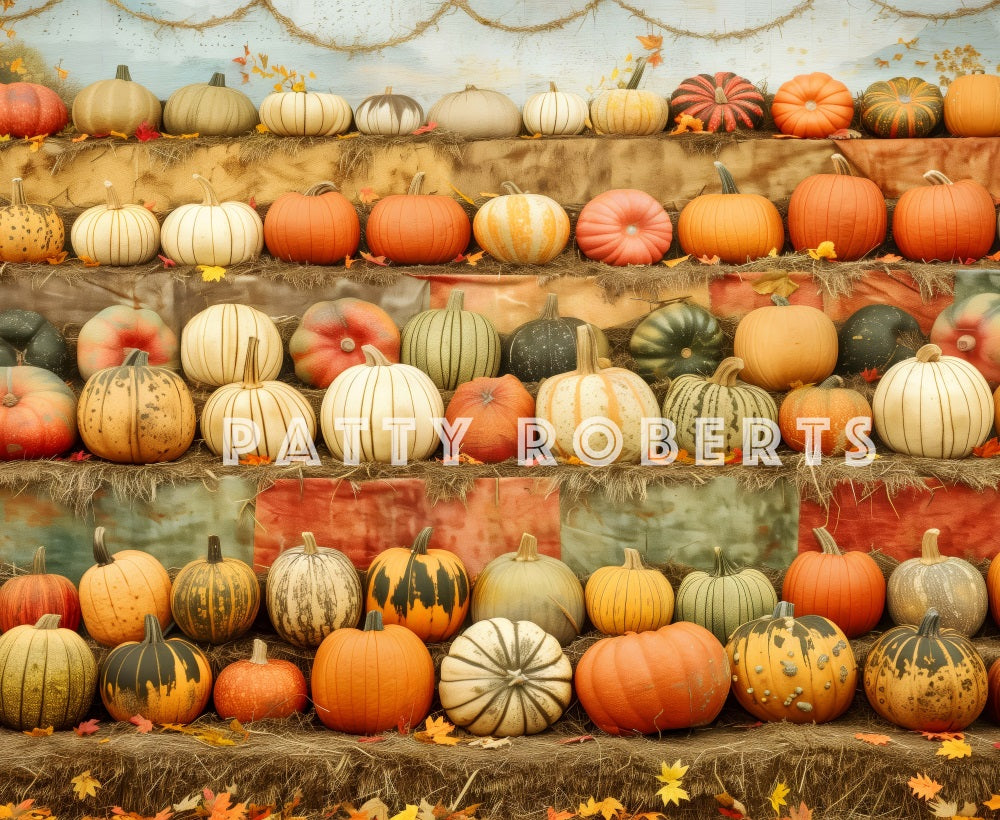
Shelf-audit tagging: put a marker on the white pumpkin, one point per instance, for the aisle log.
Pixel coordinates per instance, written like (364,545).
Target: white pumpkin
(523,228)
(389,114)
(214,344)
(305,114)
(116,234)
(212,233)
(555,113)
(477,113)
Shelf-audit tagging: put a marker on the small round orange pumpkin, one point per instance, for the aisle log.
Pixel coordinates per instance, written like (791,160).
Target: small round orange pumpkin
(259,688)
(812,106)
(316,227)
(494,405)
(829,400)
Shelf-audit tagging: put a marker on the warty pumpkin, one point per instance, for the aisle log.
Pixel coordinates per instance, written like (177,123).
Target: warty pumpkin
(305,114)
(830,401)
(722,101)
(37,413)
(116,234)
(901,107)
(26,598)
(259,688)
(812,106)
(555,113)
(972,105)
(522,228)
(630,111)
(628,598)
(29,232)
(624,226)
(477,113)
(210,110)
(388,114)
(493,406)
(106,339)
(118,104)
(214,344)
(30,109)
(970,329)
(317,227)
(28,338)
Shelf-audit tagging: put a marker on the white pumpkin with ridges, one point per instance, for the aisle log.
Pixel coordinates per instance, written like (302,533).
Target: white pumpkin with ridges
(305,114)
(214,344)
(116,234)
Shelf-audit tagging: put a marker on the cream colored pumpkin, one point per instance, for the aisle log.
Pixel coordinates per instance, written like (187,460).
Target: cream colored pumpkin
(628,110)
(388,114)
(505,678)
(209,109)
(305,114)
(270,405)
(374,392)
(115,105)
(116,234)
(933,405)
(555,113)
(527,229)
(617,398)
(214,344)
(212,233)
(477,113)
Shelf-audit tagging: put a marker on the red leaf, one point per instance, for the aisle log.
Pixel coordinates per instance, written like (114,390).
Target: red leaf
(577,739)
(88,727)
(145,132)
(141,723)
(871,374)
(371,739)
(167,263)
(240,60)
(732,813)
(424,129)
(988,449)
(253,202)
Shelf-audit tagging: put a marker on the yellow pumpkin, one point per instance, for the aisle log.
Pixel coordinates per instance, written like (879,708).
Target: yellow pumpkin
(116,105)
(628,110)
(629,598)
(29,233)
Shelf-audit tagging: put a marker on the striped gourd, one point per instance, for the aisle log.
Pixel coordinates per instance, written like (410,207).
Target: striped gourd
(311,591)
(933,406)
(523,228)
(555,113)
(901,107)
(214,344)
(629,598)
(505,678)
(526,586)
(271,406)
(451,345)
(388,114)
(47,676)
(720,396)
(374,392)
(116,234)
(215,599)
(305,114)
(724,598)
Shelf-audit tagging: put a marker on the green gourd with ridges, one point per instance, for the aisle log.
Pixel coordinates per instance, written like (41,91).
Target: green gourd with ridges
(27,337)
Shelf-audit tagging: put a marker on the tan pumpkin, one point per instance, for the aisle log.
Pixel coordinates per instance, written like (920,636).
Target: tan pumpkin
(116,234)
(305,114)
(210,110)
(629,598)
(523,228)
(630,111)
(555,113)
(115,105)
(29,232)
(388,114)
(477,113)
(214,344)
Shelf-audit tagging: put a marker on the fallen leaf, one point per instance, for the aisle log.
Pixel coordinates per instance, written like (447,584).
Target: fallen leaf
(672,793)
(606,808)
(577,739)
(40,732)
(142,725)
(473,258)
(993,257)
(426,129)
(437,730)
(988,449)
(777,282)
(685,123)
(654,59)
(375,809)
(17,66)
(254,460)
(145,132)
(188,803)
(993,803)
(88,262)
(955,749)
(705,259)
(923,787)
(409,813)
(778,796)
(871,374)
(10,810)
(80,138)
(552,814)
(875,740)
(252,202)
(84,785)
(371,738)
(58,259)
(845,134)
(375,260)
(535,136)
(673,263)
(349,136)
(889,257)
(943,735)
(118,134)
(211,273)
(87,727)
(669,773)
(463,196)
(348,261)
(367,195)
(729,806)
(824,251)
(262,129)
(167,262)
(491,742)
(785,137)
(803,812)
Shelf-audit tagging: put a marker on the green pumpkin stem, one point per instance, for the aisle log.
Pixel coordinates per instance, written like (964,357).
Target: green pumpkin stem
(928,353)
(136,358)
(38,562)
(415,184)
(511,188)
(527,550)
(779,301)
(114,203)
(784,609)
(929,552)
(48,621)
(251,371)
(218,80)
(214,550)
(840,165)
(421,541)
(324,187)
(728,183)
(831,383)
(930,624)
(309,544)
(210,195)
(937,178)
(551,309)
(633,559)
(728,371)
(374,357)
(16,192)
(373,621)
(633,81)
(826,542)
(723,566)
(152,633)
(122,73)
(456,300)
(258,654)
(101,554)
(586,351)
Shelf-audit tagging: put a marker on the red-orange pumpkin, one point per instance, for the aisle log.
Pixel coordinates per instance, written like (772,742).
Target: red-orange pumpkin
(812,106)
(494,405)
(624,226)
(317,227)
(30,109)
(993,588)
(828,400)
(259,688)
(970,330)
(993,692)
(25,598)
(107,338)
(37,413)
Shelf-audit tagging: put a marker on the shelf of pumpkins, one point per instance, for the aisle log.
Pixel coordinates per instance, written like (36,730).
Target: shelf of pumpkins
(352,360)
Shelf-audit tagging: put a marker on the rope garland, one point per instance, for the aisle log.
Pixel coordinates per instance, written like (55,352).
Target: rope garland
(966,11)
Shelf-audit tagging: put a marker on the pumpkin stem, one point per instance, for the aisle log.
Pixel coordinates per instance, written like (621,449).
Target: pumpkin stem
(258,654)
(930,624)
(840,165)
(415,183)
(720,96)
(723,566)
(640,67)
(728,183)
(937,178)
(780,301)
(456,300)
(214,550)
(122,73)
(784,609)
(420,543)
(136,358)
(586,351)
(101,554)
(152,633)
(727,372)
(929,353)
(251,372)
(38,562)
(48,621)
(9,400)
(527,550)
(831,383)
(114,203)
(16,192)
(218,80)
(633,559)
(929,552)
(511,188)
(309,544)
(826,542)
(552,86)
(374,357)
(551,309)
(324,187)
(210,197)
(965,342)
(373,621)
(518,678)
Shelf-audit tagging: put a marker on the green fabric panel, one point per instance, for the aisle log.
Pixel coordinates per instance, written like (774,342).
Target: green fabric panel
(683,523)
(31,520)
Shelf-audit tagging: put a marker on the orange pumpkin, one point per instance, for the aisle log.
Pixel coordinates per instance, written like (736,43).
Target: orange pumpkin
(37,413)
(494,405)
(812,106)
(259,688)
(828,400)
(624,226)
(972,105)
(993,588)
(317,227)
(993,692)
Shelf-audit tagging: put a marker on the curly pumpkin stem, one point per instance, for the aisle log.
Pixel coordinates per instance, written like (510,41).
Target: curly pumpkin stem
(38,562)
(210,197)
(587,363)
(728,183)
(415,184)
(309,544)
(324,187)
(826,542)
(527,550)
(929,353)
(929,552)
(840,165)
(930,624)
(48,621)
(374,357)
(214,550)
(101,554)
(258,654)
(728,371)
(937,178)
(251,370)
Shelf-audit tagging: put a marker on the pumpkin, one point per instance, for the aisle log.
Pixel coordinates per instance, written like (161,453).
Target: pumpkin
(612,400)
(30,109)
(388,114)
(629,598)
(505,678)
(555,113)
(165,681)
(312,591)
(630,111)
(28,338)
(525,586)
(972,105)
(674,677)
(812,106)
(952,586)
(522,228)
(214,344)
(115,105)
(317,227)
(782,343)
(375,392)
(846,587)
(847,210)
(901,107)
(331,334)
(451,345)
(733,226)
(119,591)
(624,226)
(926,678)
(724,598)
(719,396)
(419,587)
(933,406)
(305,114)
(37,413)
(29,232)
(418,229)
(106,339)
(215,599)
(830,401)
(993,695)
(210,110)
(116,234)
(545,346)
(966,330)
(876,337)
(493,406)
(799,669)
(213,232)
(259,688)
(477,113)
(270,408)
(945,221)
(678,338)
(26,598)
(136,413)
(372,680)
(47,676)
(723,100)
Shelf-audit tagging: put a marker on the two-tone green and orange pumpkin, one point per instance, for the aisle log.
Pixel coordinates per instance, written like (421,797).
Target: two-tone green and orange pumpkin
(723,101)
(902,107)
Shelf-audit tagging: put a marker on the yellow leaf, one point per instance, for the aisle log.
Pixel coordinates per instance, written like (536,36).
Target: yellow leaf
(17,66)
(312,75)
(777,282)
(119,134)
(993,803)
(80,138)
(409,813)
(673,263)
(473,258)
(299,86)
(824,251)
(262,129)
(773,252)
(778,797)
(211,273)
(669,773)
(606,808)
(437,730)
(61,72)
(672,793)
(650,42)
(461,194)
(277,86)
(349,136)
(614,74)
(6,138)
(954,749)
(85,786)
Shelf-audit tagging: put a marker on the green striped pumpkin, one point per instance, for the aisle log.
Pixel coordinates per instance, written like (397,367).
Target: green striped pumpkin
(47,676)
(901,107)
(451,345)
(720,395)
(215,599)
(724,598)
(676,339)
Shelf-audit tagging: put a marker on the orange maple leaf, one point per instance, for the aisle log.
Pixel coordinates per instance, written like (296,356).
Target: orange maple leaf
(874,739)
(436,730)
(80,138)
(348,261)
(536,136)
(705,259)
(943,735)
(254,460)
(552,814)
(923,787)
(87,727)
(375,260)
(673,263)
(889,257)
(141,724)
(654,59)
(993,257)
(650,42)
(88,262)
(473,258)
(803,812)
(38,731)
(988,449)
(367,195)
(685,123)
(57,259)
(871,374)
(425,129)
